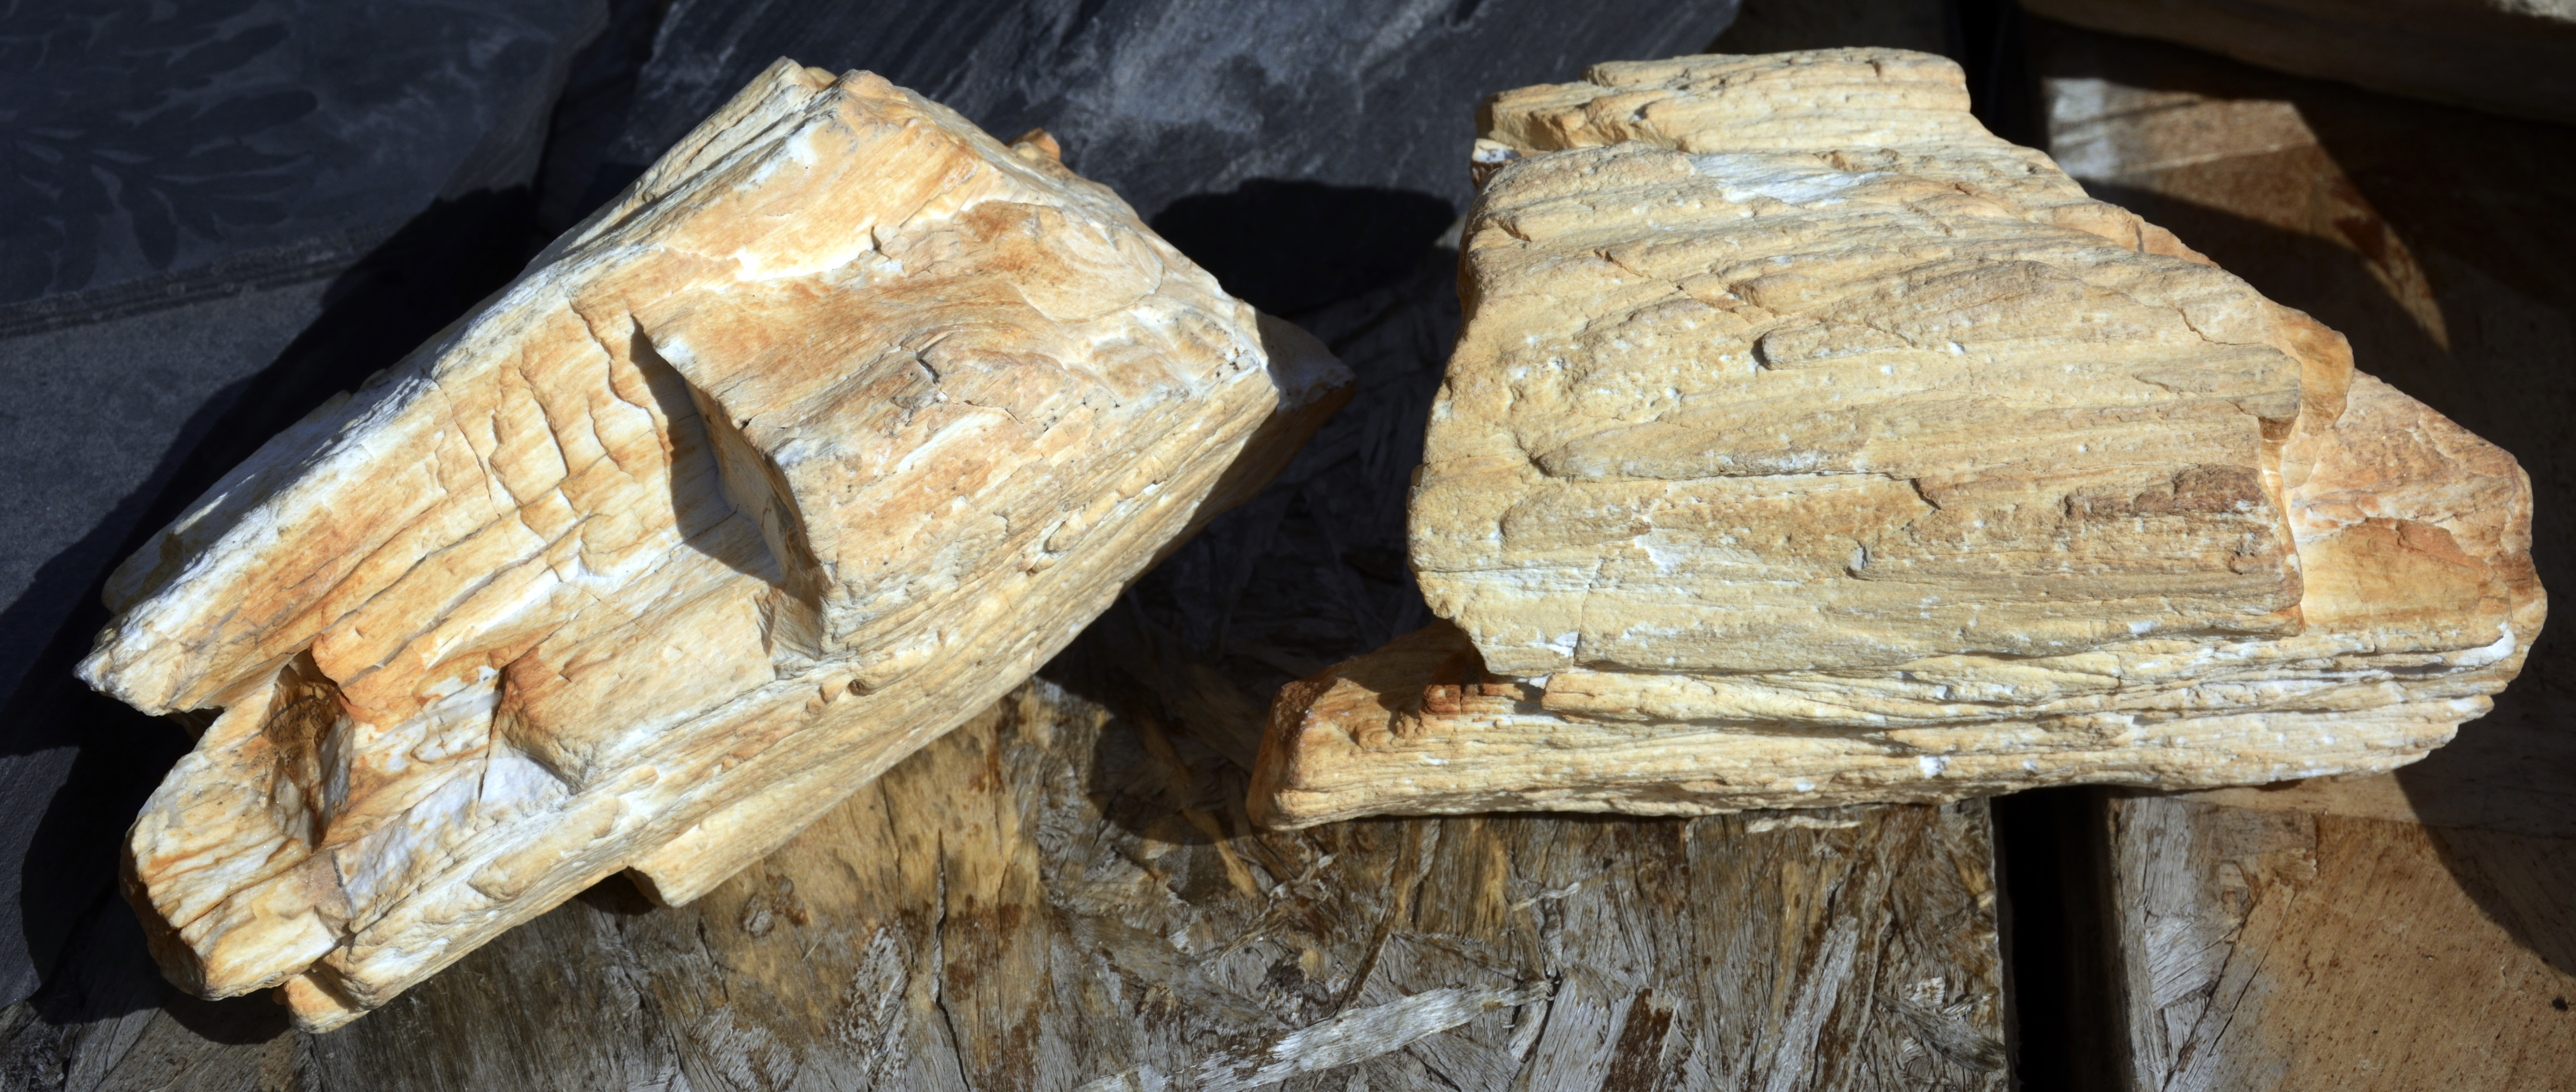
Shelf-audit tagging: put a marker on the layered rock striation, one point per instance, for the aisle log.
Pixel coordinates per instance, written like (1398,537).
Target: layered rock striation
(828,432)
(1806,444)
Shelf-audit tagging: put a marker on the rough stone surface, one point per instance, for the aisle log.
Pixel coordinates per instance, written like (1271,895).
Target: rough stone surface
(1807,444)
(830,430)
(1310,118)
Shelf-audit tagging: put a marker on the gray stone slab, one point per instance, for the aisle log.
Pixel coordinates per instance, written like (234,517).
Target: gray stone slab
(212,216)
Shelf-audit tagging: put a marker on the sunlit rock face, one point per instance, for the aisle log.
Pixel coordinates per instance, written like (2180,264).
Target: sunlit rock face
(1806,444)
(824,435)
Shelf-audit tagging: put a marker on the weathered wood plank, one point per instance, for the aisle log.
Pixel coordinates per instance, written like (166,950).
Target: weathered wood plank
(2282,949)
(1056,897)
(2415,929)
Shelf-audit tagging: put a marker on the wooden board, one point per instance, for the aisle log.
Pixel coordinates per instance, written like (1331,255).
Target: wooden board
(1054,897)
(2416,930)
(2293,950)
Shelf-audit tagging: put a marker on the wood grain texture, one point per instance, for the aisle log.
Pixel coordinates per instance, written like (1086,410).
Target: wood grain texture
(2414,930)
(1054,897)
(1780,951)
(2288,950)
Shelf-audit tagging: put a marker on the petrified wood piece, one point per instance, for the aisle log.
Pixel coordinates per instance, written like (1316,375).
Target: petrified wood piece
(830,430)
(1806,444)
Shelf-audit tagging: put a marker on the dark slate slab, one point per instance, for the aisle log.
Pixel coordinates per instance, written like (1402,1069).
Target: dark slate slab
(1297,148)
(197,201)
(149,139)
(154,157)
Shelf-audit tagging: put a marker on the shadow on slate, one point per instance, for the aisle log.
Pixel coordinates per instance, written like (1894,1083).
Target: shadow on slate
(437,267)
(1291,246)
(176,183)
(2475,201)
(1161,99)
(459,96)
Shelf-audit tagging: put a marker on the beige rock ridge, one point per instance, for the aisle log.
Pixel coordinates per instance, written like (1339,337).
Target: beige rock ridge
(828,432)
(1807,444)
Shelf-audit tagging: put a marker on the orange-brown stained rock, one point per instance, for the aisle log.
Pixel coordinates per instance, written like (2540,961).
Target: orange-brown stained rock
(824,435)
(1806,444)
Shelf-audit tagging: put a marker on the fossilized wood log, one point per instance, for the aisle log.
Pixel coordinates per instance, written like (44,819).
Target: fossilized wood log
(830,430)
(1807,444)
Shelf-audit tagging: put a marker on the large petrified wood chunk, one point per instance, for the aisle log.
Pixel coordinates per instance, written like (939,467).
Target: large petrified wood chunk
(824,435)
(1807,444)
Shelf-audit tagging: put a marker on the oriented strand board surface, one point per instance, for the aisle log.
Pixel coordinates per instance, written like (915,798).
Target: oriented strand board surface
(2407,931)
(2294,951)
(1358,103)
(1310,571)
(1052,897)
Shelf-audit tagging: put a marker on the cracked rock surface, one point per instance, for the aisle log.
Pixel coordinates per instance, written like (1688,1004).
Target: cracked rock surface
(1806,444)
(818,440)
